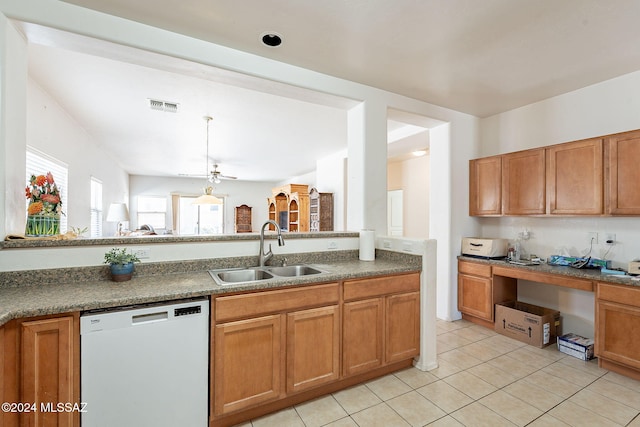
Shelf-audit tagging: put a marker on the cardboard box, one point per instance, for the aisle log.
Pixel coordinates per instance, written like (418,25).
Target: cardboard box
(528,323)
(576,346)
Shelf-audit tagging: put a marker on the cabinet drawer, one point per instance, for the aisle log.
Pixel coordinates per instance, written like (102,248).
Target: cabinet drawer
(366,288)
(474,268)
(260,303)
(628,295)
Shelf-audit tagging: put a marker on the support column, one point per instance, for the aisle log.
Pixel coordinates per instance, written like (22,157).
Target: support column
(13,125)
(367,168)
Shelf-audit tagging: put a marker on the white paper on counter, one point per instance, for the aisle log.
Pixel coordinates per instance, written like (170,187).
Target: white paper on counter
(367,245)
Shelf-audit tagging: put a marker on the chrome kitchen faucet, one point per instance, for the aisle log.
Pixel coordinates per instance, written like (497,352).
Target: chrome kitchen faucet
(265,257)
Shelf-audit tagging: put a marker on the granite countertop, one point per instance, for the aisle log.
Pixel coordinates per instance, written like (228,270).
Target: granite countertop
(66,241)
(53,298)
(580,273)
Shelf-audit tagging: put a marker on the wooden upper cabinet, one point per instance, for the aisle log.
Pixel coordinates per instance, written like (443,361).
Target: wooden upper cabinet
(523,182)
(485,186)
(622,157)
(575,178)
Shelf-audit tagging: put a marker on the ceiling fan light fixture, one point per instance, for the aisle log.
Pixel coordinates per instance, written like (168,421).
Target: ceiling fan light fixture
(207,198)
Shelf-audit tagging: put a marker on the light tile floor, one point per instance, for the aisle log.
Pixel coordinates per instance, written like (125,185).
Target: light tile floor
(483,379)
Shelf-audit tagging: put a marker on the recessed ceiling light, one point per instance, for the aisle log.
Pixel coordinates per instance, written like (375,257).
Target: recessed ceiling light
(419,153)
(271,39)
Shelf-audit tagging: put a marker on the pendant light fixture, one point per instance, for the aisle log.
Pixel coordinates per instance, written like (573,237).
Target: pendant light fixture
(207,198)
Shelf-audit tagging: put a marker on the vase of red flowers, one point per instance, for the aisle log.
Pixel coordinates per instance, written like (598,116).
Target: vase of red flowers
(45,206)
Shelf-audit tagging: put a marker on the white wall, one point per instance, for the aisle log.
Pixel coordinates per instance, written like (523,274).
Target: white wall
(412,177)
(608,107)
(236,193)
(331,174)
(53,131)
(457,132)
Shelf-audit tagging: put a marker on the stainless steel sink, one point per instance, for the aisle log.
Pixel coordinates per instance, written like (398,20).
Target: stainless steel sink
(232,276)
(293,270)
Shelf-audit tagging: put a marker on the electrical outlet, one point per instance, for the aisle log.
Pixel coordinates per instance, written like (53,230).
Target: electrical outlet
(592,238)
(386,244)
(610,238)
(143,253)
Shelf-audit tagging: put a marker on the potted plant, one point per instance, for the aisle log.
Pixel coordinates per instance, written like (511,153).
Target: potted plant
(121,263)
(45,206)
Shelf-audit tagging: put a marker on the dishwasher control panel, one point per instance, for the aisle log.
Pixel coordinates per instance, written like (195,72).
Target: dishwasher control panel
(185,311)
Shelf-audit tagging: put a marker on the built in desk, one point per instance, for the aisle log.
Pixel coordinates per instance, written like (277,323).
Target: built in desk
(483,283)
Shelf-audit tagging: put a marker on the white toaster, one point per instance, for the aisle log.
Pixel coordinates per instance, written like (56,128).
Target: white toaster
(484,247)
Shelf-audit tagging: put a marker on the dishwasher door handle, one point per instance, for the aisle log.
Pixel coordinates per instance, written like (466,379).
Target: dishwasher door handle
(141,319)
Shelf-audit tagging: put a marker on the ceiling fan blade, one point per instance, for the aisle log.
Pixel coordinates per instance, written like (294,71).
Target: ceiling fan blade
(227,177)
(189,175)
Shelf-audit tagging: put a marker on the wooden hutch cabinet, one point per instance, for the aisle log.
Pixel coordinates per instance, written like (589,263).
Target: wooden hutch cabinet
(289,207)
(320,211)
(243,219)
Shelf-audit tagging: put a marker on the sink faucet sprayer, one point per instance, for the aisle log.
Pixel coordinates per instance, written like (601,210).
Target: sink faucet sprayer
(265,257)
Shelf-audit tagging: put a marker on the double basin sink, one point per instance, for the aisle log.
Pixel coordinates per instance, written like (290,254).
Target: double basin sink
(232,276)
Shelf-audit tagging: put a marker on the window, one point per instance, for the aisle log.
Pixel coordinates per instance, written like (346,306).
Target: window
(152,210)
(200,219)
(96,207)
(39,163)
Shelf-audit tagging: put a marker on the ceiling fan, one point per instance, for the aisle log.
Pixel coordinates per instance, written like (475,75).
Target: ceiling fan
(215,175)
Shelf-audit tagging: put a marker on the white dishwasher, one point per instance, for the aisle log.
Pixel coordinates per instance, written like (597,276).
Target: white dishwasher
(146,366)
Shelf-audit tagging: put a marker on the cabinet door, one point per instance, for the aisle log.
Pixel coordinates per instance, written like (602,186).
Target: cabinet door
(2,385)
(485,186)
(575,178)
(617,325)
(248,363)
(475,296)
(362,336)
(523,183)
(313,347)
(623,158)
(50,369)
(402,326)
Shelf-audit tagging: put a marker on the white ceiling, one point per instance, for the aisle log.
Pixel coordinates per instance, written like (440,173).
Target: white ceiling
(480,57)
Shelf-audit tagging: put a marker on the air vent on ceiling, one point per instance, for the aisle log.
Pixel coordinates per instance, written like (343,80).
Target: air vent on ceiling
(169,107)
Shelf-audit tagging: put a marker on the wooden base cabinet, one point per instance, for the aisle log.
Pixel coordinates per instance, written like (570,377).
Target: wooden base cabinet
(617,326)
(313,348)
(363,331)
(277,348)
(248,365)
(383,329)
(478,292)
(268,345)
(42,367)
